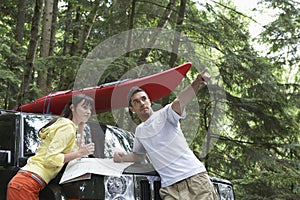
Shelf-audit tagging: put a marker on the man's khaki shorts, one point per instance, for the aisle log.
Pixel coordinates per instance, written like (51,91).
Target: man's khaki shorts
(197,187)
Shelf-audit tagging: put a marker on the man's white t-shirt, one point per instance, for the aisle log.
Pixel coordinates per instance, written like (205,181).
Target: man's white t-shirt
(162,139)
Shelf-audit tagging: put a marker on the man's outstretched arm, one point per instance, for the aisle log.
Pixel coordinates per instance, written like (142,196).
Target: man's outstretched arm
(188,93)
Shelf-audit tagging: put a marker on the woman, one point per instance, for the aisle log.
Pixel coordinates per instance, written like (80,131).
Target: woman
(58,146)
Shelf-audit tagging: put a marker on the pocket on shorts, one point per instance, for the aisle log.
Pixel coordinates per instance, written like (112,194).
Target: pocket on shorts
(15,186)
(201,181)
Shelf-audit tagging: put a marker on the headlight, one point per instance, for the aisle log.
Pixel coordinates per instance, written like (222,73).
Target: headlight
(118,188)
(226,192)
(116,185)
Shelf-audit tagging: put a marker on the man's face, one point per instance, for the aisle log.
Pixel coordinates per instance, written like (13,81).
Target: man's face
(141,105)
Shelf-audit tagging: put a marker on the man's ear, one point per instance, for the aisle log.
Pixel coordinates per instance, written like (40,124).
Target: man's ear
(72,107)
(131,109)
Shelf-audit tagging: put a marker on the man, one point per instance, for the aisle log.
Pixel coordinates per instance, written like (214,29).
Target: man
(183,176)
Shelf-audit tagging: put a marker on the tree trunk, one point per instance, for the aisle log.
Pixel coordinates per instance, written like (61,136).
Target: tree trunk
(130,27)
(85,32)
(45,43)
(20,21)
(46,29)
(75,35)
(53,27)
(19,34)
(176,42)
(50,71)
(178,30)
(30,56)
(66,44)
(160,24)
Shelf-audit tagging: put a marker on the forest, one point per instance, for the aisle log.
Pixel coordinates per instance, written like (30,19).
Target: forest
(244,125)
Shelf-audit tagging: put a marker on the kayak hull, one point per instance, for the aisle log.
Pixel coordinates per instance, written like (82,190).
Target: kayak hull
(113,95)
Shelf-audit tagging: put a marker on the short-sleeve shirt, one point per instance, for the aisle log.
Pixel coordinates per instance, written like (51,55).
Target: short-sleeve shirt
(162,139)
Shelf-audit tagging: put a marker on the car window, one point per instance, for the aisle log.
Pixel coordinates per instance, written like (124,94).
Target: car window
(117,139)
(32,124)
(7,124)
(112,139)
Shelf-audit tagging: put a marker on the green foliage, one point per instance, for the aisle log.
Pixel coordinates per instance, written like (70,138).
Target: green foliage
(244,127)
(65,68)
(11,65)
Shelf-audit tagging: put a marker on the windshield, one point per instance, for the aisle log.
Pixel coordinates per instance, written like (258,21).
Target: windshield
(117,139)
(107,138)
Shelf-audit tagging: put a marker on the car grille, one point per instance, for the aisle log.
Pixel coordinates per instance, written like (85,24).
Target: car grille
(146,192)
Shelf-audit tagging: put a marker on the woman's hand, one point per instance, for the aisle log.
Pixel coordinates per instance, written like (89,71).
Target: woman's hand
(87,149)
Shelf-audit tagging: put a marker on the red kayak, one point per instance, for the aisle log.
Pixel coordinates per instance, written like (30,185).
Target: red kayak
(112,95)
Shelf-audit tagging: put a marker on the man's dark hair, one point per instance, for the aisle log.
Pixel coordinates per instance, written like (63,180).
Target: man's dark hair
(131,92)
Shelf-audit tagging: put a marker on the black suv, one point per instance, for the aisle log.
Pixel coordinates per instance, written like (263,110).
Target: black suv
(19,140)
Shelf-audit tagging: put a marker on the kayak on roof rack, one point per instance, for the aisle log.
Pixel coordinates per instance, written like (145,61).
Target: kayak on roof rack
(113,95)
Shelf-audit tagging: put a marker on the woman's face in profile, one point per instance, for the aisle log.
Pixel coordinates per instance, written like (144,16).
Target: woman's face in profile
(82,112)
